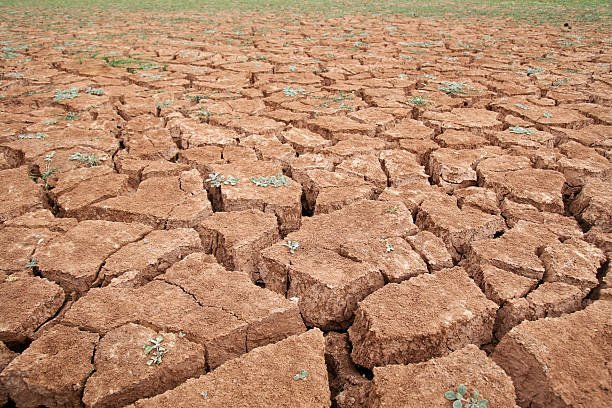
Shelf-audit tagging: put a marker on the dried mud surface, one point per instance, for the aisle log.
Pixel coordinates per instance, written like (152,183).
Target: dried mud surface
(313,213)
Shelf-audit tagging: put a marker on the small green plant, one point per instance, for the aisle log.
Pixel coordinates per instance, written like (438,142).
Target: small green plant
(163,104)
(271,181)
(288,91)
(30,93)
(147,66)
(145,75)
(94,91)
(71,116)
(48,172)
(559,82)
(9,54)
(89,159)
(418,101)
(38,135)
(388,247)
(425,44)
(292,245)
(341,97)
(204,113)
(31,264)
(66,94)
(531,71)
(120,63)
(232,181)
(157,349)
(458,398)
(197,98)
(301,375)
(348,107)
(217,178)
(520,130)
(392,209)
(452,88)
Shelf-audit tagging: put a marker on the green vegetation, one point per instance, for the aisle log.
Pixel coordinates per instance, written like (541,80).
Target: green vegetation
(559,82)
(388,247)
(288,91)
(48,172)
(70,116)
(66,94)
(526,11)
(301,375)
(163,104)
(520,130)
(89,159)
(203,113)
(458,398)
(452,88)
(197,98)
(38,135)
(31,264)
(216,179)
(131,65)
(292,245)
(157,349)
(531,71)
(418,101)
(122,62)
(95,91)
(271,181)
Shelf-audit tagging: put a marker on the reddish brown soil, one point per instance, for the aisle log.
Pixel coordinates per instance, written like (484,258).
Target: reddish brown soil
(304,219)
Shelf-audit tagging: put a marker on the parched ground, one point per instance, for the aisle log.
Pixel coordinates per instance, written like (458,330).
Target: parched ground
(339,207)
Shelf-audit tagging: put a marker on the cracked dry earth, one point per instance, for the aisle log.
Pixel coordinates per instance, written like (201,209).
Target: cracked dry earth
(449,186)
